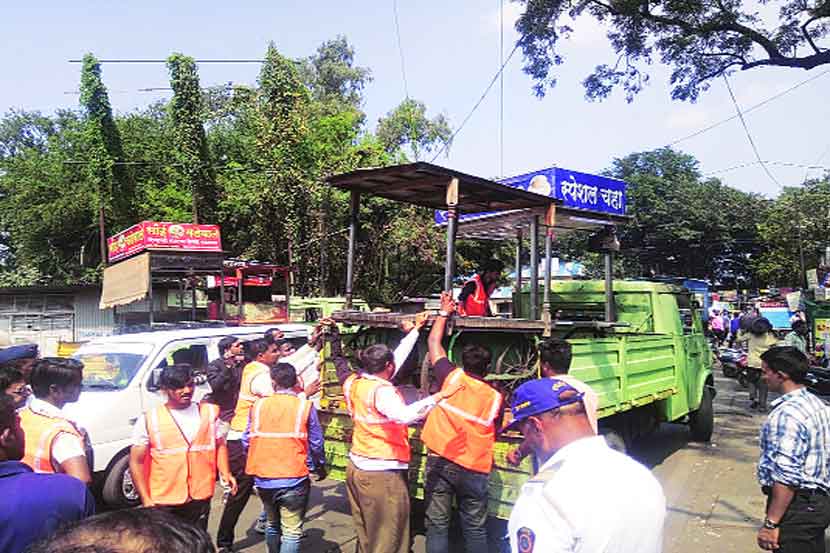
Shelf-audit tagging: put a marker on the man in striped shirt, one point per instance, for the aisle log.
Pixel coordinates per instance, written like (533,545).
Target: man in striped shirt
(794,467)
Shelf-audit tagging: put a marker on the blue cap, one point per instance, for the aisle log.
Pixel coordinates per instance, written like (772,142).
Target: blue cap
(538,396)
(23,351)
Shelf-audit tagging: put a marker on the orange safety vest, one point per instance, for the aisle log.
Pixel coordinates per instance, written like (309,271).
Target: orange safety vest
(246,396)
(475,305)
(279,437)
(462,427)
(374,436)
(40,431)
(181,471)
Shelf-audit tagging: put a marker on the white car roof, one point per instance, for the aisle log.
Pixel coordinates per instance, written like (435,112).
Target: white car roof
(291,330)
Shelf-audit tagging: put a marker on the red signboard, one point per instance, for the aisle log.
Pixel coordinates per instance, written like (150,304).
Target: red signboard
(151,235)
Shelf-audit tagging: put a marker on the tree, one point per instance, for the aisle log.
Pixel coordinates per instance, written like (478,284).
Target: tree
(331,75)
(49,207)
(191,149)
(797,223)
(699,40)
(104,154)
(685,225)
(408,126)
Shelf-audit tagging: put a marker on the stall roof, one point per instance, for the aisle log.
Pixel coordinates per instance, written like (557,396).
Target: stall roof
(504,225)
(425,184)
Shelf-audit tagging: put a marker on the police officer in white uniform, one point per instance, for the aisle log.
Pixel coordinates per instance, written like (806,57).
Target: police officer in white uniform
(586,497)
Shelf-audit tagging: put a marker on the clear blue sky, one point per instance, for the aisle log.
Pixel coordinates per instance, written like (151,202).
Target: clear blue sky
(451,52)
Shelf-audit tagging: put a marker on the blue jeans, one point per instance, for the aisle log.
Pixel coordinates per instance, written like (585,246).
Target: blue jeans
(285,509)
(446,480)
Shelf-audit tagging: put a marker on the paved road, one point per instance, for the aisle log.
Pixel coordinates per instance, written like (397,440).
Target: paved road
(715,504)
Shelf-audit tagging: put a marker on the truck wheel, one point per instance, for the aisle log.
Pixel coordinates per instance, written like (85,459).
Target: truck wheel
(118,490)
(614,440)
(702,421)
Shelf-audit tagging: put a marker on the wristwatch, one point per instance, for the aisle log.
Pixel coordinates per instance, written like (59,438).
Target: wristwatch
(770,525)
(443,314)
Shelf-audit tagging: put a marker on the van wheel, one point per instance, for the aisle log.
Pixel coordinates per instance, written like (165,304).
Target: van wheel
(118,490)
(702,421)
(614,440)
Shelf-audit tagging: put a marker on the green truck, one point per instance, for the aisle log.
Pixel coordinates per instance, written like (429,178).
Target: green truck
(640,345)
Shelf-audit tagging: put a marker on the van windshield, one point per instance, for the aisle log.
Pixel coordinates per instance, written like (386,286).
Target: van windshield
(111,366)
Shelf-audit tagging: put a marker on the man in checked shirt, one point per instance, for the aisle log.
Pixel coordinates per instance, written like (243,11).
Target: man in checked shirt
(794,468)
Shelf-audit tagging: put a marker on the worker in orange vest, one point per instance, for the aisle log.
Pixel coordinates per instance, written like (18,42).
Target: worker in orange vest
(177,449)
(53,442)
(376,475)
(283,438)
(460,434)
(474,299)
(260,355)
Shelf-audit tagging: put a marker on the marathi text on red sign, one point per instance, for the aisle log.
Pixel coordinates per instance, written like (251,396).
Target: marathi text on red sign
(164,236)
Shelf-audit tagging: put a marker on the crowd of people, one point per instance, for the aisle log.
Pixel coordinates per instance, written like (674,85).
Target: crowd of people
(258,431)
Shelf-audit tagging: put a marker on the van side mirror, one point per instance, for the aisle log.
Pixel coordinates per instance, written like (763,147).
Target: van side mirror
(155,378)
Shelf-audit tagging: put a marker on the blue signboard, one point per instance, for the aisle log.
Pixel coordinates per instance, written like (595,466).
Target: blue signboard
(576,190)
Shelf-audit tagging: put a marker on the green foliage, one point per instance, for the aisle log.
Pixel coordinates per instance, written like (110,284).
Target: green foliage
(191,149)
(799,220)
(103,148)
(407,126)
(272,147)
(698,40)
(331,76)
(684,224)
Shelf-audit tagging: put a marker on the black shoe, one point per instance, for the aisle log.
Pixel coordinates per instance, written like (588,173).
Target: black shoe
(753,405)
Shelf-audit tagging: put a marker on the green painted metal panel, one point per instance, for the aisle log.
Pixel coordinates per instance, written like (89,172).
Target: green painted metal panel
(650,362)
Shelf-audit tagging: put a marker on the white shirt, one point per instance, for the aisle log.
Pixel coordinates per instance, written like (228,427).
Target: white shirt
(588,498)
(65,446)
(390,403)
(188,420)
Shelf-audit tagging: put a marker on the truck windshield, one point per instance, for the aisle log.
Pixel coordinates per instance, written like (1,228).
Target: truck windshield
(111,366)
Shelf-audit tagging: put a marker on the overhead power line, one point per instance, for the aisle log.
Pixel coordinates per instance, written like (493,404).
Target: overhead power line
(477,104)
(749,109)
(400,48)
(165,61)
(748,134)
(766,162)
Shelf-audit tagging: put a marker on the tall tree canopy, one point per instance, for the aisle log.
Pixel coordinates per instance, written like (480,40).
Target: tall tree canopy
(191,149)
(699,40)
(684,224)
(407,127)
(104,157)
(797,224)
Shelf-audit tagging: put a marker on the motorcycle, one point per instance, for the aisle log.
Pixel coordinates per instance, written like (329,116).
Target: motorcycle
(818,381)
(733,362)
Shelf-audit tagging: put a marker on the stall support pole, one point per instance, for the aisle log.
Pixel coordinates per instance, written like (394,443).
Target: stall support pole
(449,265)
(193,299)
(354,209)
(150,298)
(240,308)
(452,229)
(517,293)
(534,268)
(222,293)
(546,315)
(610,316)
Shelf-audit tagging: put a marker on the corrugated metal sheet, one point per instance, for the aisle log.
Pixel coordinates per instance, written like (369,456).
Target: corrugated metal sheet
(90,321)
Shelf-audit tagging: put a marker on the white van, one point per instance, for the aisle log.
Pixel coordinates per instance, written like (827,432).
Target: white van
(119,386)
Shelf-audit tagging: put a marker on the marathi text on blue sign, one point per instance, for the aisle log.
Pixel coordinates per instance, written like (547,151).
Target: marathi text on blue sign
(576,190)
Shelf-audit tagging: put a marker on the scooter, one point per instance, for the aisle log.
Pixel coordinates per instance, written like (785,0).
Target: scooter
(730,360)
